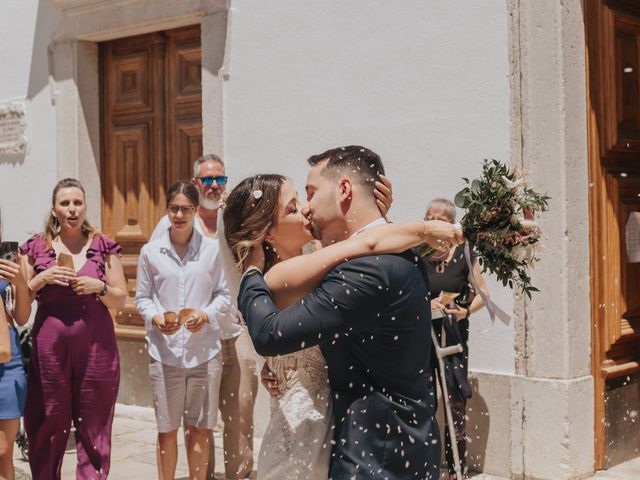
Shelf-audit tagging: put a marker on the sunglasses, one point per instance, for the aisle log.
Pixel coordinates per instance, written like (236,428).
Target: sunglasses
(208,181)
(185,209)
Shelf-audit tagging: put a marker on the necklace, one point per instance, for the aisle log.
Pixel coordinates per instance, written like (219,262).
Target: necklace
(441,265)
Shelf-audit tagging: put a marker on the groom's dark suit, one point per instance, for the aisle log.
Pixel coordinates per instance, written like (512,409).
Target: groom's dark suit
(371,317)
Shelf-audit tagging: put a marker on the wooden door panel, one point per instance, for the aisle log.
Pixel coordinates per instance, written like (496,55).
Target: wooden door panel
(184,97)
(613,46)
(131,152)
(132,83)
(188,147)
(188,73)
(151,134)
(627,82)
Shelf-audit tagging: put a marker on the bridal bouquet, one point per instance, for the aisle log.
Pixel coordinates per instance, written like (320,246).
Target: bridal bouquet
(499,224)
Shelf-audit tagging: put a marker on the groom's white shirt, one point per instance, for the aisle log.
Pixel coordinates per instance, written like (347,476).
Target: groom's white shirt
(375,223)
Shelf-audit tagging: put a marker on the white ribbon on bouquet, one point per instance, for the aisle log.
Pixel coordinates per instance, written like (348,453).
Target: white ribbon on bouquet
(493,309)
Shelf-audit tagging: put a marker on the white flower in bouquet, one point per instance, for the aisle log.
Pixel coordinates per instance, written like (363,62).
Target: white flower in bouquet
(515,185)
(523,253)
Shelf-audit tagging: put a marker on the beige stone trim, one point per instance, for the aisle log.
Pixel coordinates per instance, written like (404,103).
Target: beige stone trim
(97,21)
(74,71)
(550,436)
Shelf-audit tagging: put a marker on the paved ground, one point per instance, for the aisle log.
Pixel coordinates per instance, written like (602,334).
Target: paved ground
(133,454)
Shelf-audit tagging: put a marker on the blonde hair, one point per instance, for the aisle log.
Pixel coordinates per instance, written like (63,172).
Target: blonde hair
(443,204)
(51,225)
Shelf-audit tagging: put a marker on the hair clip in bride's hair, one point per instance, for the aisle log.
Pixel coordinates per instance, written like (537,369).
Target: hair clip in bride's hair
(257,194)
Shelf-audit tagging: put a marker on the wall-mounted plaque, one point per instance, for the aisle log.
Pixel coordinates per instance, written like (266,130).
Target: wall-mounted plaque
(13,129)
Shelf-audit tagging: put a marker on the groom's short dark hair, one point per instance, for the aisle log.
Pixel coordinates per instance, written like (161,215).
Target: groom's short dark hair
(358,162)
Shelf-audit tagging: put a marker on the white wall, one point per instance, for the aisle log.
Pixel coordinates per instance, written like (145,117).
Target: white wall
(425,85)
(26,181)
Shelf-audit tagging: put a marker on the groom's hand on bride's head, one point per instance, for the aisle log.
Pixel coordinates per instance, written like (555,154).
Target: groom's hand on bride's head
(256,258)
(384,195)
(268,379)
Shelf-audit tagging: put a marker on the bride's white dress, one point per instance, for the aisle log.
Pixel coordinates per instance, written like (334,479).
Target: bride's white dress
(297,442)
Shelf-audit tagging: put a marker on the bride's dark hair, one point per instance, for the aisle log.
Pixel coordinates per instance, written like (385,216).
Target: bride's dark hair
(251,209)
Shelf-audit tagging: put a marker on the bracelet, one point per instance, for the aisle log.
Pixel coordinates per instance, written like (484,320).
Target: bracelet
(103,290)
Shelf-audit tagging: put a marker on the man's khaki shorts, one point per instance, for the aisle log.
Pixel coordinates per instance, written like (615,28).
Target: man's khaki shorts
(189,392)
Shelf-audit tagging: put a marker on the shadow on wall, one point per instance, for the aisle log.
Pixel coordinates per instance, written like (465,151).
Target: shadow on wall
(47,22)
(478,424)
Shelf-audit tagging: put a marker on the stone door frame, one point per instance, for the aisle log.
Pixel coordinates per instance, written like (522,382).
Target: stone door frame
(74,74)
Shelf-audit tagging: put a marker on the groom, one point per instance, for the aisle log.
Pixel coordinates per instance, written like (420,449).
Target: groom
(371,317)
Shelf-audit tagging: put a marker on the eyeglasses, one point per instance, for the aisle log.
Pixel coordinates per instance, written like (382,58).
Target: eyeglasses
(208,181)
(185,209)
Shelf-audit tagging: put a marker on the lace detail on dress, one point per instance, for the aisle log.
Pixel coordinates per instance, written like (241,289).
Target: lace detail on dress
(297,443)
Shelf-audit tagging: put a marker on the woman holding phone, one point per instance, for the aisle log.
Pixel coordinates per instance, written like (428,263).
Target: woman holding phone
(14,308)
(75,369)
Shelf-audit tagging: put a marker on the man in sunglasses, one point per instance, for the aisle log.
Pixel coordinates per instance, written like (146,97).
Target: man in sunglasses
(239,384)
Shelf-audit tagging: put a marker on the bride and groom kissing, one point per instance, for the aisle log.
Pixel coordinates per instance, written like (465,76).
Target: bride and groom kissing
(360,304)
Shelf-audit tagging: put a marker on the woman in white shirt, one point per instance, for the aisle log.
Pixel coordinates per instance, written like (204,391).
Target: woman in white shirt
(181,296)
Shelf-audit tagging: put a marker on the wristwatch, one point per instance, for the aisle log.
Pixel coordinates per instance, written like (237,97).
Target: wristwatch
(103,292)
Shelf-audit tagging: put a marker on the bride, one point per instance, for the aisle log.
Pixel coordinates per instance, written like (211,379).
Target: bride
(264,211)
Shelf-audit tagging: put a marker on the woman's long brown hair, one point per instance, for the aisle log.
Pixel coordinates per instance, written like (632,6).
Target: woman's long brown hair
(251,210)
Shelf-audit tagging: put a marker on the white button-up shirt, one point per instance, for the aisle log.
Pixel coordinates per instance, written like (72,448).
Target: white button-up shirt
(375,223)
(165,282)
(231,324)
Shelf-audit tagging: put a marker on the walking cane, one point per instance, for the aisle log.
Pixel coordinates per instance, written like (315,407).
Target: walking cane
(441,353)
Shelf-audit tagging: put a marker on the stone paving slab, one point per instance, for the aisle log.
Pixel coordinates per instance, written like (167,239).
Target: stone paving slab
(134,453)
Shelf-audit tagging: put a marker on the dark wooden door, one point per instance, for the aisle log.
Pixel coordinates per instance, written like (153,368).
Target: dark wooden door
(613,44)
(151,98)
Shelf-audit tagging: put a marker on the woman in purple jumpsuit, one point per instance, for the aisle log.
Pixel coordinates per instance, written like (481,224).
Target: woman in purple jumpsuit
(74,372)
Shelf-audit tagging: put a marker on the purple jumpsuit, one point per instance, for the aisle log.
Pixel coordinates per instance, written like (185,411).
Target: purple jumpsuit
(74,372)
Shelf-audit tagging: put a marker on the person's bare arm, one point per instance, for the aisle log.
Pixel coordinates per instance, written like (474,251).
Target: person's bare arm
(477,302)
(5,339)
(292,279)
(14,273)
(116,283)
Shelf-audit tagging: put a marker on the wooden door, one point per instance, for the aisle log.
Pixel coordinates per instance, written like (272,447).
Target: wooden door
(613,43)
(151,133)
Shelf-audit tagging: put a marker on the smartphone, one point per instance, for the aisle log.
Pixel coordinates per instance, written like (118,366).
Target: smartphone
(9,251)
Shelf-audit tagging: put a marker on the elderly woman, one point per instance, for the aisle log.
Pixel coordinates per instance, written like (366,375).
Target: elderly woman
(451,274)
(75,368)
